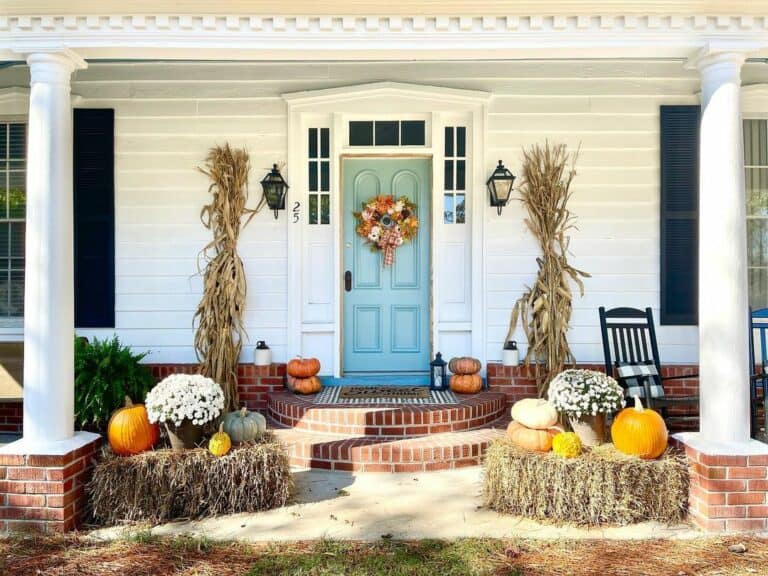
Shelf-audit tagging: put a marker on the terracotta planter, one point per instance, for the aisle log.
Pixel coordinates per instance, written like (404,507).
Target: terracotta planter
(186,436)
(589,429)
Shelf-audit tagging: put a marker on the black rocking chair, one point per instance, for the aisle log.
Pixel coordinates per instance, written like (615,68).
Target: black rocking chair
(632,357)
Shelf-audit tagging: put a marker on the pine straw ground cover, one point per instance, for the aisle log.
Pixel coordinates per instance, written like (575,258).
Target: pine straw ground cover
(148,556)
(602,486)
(162,485)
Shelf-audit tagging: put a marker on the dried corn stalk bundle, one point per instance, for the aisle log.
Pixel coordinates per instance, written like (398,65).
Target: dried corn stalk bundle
(545,307)
(219,316)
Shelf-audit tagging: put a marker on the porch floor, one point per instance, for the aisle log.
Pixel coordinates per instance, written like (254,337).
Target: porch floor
(341,505)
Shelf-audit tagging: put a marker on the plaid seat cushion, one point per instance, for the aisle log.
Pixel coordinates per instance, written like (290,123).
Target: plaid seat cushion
(633,376)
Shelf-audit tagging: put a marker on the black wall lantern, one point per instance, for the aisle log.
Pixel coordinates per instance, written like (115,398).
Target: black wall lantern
(500,187)
(438,375)
(275,188)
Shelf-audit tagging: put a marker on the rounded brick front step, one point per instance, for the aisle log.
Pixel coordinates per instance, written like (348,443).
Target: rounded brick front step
(393,420)
(387,438)
(440,451)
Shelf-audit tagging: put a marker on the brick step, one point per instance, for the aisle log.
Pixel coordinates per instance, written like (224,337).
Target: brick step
(350,453)
(475,411)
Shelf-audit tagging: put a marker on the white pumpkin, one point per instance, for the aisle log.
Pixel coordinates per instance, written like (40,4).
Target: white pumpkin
(534,413)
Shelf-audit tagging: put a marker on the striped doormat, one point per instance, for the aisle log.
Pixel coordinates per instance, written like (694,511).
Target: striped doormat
(419,395)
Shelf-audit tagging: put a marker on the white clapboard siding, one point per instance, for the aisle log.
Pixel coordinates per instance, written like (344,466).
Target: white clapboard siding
(169,114)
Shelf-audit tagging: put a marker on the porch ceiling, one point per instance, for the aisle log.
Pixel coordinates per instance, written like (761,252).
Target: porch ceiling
(393,7)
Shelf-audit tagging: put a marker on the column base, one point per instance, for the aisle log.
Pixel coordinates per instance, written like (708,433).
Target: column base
(729,483)
(42,486)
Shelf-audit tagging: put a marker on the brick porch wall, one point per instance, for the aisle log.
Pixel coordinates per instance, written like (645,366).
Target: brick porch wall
(45,493)
(520,382)
(727,493)
(254,383)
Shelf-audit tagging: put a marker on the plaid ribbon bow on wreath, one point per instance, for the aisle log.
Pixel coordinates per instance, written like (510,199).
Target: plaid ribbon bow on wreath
(386,223)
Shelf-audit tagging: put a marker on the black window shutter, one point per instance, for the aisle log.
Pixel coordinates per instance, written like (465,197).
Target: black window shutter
(680,214)
(94,198)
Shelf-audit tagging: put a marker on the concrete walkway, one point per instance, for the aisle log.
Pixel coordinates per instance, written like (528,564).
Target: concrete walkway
(442,505)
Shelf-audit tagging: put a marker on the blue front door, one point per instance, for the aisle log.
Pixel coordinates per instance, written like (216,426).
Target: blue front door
(386,309)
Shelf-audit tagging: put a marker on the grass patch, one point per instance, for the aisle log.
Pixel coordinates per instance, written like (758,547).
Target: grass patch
(189,556)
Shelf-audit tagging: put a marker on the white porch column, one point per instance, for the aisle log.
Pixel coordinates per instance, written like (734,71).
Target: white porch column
(49,280)
(723,305)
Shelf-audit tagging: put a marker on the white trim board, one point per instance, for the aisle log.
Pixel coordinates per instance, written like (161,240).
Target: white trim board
(331,108)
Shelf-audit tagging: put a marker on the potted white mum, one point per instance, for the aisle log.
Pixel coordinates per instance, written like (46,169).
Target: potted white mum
(586,396)
(184,403)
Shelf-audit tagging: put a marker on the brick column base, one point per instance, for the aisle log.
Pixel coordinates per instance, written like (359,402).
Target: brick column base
(45,491)
(729,485)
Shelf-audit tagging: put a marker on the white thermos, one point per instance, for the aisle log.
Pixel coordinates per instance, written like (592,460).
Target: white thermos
(511,355)
(262,355)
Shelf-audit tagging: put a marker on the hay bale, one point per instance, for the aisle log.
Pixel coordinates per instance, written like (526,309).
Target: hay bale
(603,486)
(163,485)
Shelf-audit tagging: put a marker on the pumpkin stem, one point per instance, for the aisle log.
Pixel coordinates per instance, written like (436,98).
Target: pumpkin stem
(221,427)
(638,404)
(243,412)
(128,402)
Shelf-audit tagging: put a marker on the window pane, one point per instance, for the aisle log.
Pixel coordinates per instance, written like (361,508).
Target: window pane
(756,184)
(17,240)
(3,142)
(756,143)
(312,143)
(17,294)
(325,177)
(448,209)
(461,141)
(757,243)
(4,295)
(387,133)
(17,194)
(325,209)
(4,242)
(313,176)
(361,133)
(3,195)
(17,143)
(448,141)
(325,143)
(460,211)
(758,288)
(460,176)
(313,208)
(412,132)
(448,175)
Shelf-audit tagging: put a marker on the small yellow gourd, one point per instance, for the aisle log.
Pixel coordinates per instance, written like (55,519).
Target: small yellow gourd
(566,445)
(220,443)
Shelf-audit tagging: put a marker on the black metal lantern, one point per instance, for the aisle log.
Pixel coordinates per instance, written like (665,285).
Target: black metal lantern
(438,374)
(274,187)
(500,186)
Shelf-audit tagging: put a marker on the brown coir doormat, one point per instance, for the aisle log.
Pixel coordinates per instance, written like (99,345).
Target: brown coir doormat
(384,395)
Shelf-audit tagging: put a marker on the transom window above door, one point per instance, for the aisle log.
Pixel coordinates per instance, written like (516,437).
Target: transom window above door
(387,133)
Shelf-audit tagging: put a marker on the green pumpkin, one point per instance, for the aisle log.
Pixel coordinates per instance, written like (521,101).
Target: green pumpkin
(244,426)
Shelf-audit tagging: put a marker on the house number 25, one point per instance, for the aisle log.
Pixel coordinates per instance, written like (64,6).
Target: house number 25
(296,211)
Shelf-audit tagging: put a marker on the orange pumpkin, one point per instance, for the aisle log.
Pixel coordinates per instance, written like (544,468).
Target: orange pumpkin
(466,383)
(530,439)
(464,365)
(309,385)
(640,432)
(303,367)
(129,430)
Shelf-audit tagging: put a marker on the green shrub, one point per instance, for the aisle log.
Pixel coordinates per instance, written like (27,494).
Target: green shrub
(105,373)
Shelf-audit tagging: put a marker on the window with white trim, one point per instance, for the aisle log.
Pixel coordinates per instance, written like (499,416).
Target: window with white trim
(319,177)
(12,213)
(756,186)
(455,175)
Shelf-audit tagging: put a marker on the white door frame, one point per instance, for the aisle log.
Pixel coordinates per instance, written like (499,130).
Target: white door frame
(314,304)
